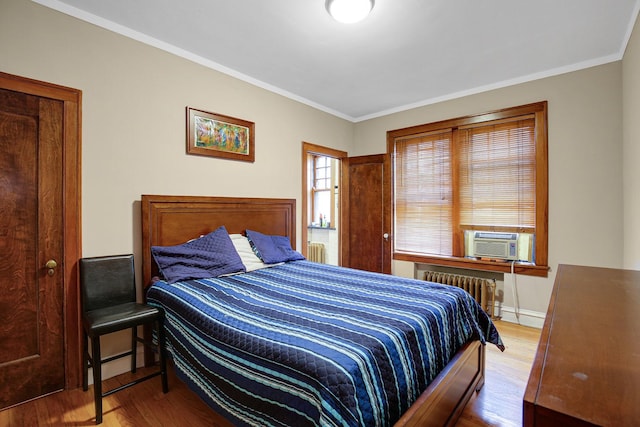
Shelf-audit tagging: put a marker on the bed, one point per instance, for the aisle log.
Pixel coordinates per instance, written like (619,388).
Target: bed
(301,343)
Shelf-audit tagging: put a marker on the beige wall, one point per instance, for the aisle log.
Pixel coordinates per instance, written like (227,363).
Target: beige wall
(134,132)
(631,150)
(585,176)
(134,99)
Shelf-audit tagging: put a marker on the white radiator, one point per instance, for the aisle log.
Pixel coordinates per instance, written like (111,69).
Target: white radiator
(482,290)
(316,252)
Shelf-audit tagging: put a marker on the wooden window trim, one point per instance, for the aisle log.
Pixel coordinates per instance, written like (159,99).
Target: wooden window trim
(541,268)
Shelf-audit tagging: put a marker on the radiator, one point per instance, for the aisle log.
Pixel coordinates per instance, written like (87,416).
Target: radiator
(483,290)
(316,252)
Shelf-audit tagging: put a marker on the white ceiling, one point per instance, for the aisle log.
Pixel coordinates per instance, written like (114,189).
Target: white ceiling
(407,53)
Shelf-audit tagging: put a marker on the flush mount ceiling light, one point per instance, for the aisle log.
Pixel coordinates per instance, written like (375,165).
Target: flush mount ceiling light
(349,11)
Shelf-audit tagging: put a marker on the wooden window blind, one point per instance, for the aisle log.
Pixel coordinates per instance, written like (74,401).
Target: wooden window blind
(423,194)
(497,166)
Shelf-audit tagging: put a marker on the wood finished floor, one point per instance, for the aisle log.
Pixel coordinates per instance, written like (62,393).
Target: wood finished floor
(499,403)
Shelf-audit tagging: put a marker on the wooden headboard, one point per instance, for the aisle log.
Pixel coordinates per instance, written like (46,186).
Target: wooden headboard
(172,220)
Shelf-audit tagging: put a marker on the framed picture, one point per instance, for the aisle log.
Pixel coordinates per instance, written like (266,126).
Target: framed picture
(215,135)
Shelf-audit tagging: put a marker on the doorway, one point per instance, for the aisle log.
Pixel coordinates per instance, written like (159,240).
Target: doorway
(321,203)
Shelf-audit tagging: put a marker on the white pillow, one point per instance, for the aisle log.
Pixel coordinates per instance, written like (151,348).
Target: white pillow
(249,258)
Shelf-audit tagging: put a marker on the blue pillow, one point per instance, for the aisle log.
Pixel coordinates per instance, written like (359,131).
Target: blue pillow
(209,256)
(272,249)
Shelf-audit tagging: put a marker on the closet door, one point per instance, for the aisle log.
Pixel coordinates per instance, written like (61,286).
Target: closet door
(31,247)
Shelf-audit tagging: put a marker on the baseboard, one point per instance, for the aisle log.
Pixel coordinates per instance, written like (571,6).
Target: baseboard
(534,319)
(119,366)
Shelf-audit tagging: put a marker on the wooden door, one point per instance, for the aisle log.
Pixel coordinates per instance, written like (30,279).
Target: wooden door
(368,213)
(31,233)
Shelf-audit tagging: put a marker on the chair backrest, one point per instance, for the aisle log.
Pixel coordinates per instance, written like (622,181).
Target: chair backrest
(107,281)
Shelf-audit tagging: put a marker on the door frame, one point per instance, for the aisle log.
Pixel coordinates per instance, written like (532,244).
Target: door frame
(71,196)
(313,149)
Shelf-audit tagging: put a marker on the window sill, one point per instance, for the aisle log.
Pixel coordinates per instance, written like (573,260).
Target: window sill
(316,227)
(473,264)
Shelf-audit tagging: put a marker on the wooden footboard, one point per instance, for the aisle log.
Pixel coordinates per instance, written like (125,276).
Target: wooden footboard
(444,400)
(169,220)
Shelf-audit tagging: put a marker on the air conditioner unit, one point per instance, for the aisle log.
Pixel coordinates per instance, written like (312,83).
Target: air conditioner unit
(495,245)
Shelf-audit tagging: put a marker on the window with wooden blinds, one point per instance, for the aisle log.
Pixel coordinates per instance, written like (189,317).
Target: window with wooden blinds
(497,168)
(423,194)
(481,172)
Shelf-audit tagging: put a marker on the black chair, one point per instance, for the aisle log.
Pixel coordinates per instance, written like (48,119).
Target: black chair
(108,292)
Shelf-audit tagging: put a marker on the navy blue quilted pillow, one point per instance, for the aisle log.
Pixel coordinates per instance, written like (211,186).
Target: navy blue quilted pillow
(272,249)
(209,256)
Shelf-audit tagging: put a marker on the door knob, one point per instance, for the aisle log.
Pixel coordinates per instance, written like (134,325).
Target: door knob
(51,265)
(386,236)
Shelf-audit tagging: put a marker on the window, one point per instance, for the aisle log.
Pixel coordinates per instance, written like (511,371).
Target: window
(486,172)
(323,197)
(423,194)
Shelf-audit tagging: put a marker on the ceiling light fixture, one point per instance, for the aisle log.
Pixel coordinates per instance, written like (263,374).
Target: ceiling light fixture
(349,11)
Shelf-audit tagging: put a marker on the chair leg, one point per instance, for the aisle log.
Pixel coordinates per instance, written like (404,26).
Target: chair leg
(134,345)
(97,376)
(85,362)
(162,356)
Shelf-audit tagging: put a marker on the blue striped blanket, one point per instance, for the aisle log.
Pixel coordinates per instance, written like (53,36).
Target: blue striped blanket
(307,344)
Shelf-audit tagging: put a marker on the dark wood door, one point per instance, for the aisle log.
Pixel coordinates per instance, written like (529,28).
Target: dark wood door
(368,198)
(31,233)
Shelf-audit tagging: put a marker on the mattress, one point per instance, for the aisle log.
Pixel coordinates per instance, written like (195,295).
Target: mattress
(308,344)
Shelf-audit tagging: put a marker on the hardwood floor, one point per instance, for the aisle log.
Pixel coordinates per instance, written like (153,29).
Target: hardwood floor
(499,403)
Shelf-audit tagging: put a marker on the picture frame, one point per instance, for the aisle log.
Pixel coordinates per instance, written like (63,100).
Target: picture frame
(217,135)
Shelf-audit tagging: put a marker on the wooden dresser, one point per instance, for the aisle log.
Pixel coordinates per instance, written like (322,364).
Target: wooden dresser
(587,368)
